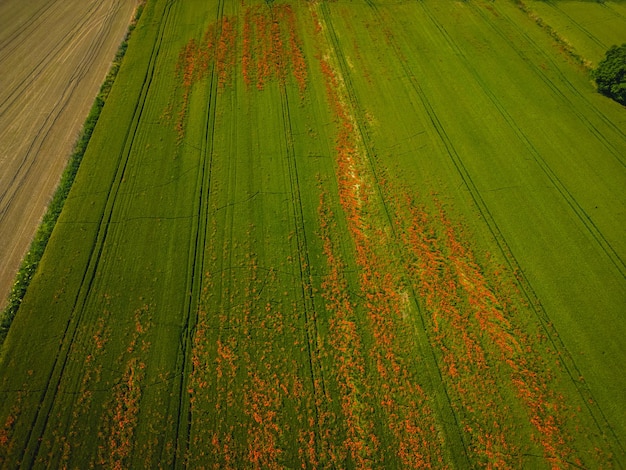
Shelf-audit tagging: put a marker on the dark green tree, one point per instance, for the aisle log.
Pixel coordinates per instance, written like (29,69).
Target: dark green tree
(610,75)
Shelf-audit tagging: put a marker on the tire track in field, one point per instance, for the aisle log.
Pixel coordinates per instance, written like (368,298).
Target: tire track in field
(568,363)
(306,285)
(230,190)
(464,175)
(444,409)
(35,435)
(18,90)
(184,416)
(555,5)
(581,214)
(16,93)
(525,286)
(30,156)
(603,4)
(6,46)
(567,195)
(564,80)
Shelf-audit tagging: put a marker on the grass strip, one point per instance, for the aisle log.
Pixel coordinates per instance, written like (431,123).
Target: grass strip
(564,45)
(32,258)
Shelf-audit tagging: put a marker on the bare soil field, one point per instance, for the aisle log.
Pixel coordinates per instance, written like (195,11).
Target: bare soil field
(53,57)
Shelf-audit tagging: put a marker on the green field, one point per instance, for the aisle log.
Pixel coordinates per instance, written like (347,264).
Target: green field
(379,234)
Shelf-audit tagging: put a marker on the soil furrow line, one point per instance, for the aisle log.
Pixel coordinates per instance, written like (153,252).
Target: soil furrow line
(29,160)
(21,88)
(5,47)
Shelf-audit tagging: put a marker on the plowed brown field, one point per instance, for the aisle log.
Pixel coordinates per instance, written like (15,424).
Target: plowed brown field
(53,57)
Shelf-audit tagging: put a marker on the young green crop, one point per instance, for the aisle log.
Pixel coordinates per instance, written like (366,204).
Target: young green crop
(330,235)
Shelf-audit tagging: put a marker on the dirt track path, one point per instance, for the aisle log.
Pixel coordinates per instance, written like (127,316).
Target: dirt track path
(53,56)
